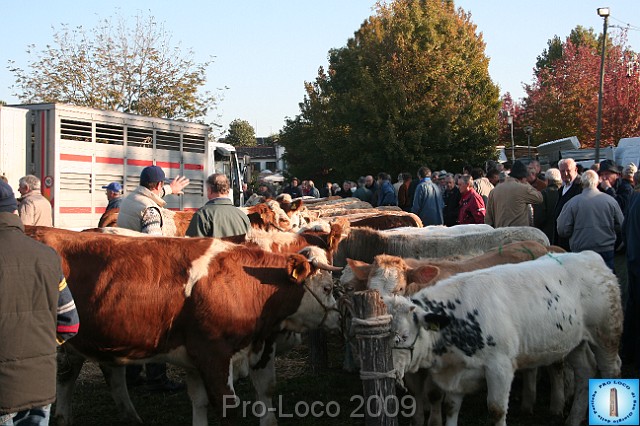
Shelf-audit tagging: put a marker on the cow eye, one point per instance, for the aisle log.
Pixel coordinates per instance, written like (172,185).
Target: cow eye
(328,289)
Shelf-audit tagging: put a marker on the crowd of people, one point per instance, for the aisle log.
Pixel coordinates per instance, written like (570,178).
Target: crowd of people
(596,209)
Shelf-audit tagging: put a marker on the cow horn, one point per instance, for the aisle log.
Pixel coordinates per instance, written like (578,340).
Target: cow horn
(320,265)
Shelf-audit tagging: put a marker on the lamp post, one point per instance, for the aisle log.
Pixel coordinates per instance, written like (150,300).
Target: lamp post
(528,130)
(603,12)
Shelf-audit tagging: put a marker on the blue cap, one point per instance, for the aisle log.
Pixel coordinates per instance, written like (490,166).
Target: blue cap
(151,174)
(113,186)
(8,201)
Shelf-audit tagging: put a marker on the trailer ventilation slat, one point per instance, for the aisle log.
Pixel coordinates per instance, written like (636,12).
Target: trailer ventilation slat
(168,141)
(76,182)
(195,187)
(109,134)
(139,137)
(75,130)
(193,143)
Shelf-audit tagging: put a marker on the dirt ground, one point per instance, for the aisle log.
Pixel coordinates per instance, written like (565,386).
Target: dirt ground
(296,384)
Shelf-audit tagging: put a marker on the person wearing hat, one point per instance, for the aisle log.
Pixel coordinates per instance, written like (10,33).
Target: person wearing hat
(612,184)
(143,209)
(37,313)
(294,188)
(34,208)
(114,195)
(509,202)
(218,218)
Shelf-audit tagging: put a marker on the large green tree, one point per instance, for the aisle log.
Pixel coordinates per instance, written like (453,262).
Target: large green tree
(241,133)
(115,66)
(563,98)
(411,88)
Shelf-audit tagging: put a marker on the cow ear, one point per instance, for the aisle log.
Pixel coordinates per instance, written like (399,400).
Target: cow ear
(295,206)
(360,269)
(422,274)
(298,268)
(435,322)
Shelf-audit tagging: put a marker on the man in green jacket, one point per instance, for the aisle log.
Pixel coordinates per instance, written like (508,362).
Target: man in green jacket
(219,217)
(36,311)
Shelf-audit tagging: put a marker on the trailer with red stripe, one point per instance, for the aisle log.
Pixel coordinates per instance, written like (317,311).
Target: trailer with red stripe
(75,151)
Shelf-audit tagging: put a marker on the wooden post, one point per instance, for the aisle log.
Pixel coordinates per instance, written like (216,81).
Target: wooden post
(372,329)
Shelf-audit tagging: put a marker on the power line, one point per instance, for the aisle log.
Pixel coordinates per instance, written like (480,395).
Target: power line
(627,26)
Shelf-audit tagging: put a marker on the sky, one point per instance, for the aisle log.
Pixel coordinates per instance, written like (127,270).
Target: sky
(264,50)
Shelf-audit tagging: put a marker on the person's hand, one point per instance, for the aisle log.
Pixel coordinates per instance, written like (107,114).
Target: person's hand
(178,184)
(604,184)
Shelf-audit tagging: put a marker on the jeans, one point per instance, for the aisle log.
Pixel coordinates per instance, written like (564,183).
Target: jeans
(608,256)
(38,416)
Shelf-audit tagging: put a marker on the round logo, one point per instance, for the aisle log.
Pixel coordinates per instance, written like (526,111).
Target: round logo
(613,401)
(48,181)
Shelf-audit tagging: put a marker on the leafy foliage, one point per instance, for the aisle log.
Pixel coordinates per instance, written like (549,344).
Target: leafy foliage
(241,133)
(563,98)
(115,67)
(410,88)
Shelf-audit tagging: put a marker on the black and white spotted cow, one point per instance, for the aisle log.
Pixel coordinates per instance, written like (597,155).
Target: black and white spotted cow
(484,325)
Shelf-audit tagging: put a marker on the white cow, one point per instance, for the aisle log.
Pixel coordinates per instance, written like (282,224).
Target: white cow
(484,325)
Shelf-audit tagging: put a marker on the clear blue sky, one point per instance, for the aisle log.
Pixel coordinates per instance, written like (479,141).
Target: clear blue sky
(266,49)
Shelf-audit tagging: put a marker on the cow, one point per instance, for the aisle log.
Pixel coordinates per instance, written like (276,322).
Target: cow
(395,275)
(481,326)
(430,242)
(392,275)
(200,303)
(267,216)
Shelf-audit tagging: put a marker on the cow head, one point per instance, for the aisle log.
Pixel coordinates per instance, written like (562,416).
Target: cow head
(310,269)
(390,274)
(413,329)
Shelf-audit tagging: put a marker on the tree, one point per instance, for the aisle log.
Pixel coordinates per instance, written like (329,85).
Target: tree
(115,67)
(241,133)
(563,99)
(411,88)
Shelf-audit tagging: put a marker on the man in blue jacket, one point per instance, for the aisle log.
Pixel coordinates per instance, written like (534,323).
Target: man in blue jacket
(427,200)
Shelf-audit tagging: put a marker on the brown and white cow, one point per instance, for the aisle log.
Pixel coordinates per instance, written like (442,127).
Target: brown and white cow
(195,302)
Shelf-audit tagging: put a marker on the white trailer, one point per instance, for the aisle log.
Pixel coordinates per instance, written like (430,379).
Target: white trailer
(76,150)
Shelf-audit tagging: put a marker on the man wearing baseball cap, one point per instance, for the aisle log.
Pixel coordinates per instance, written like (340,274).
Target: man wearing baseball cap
(612,184)
(114,195)
(143,209)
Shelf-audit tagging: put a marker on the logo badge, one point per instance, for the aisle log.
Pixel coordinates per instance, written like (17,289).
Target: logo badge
(613,402)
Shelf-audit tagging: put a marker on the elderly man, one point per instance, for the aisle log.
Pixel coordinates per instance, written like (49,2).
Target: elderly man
(571,186)
(509,202)
(472,209)
(427,201)
(590,220)
(612,184)
(219,217)
(114,195)
(631,235)
(34,208)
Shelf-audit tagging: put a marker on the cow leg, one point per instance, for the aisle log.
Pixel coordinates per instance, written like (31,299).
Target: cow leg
(415,384)
(264,383)
(116,379)
(529,389)
(582,370)
(499,374)
(198,395)
(452,403)
(435,396)
(69,367)
(556,378)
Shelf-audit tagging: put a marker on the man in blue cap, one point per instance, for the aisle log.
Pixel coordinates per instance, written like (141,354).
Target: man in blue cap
(114,195)
(143,209)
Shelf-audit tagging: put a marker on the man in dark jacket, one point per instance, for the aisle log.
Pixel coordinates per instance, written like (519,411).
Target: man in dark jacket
(571,187)
(36,311)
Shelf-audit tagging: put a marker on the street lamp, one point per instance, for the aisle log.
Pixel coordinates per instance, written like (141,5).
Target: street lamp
(603,12)
(507,114)
(528,130)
